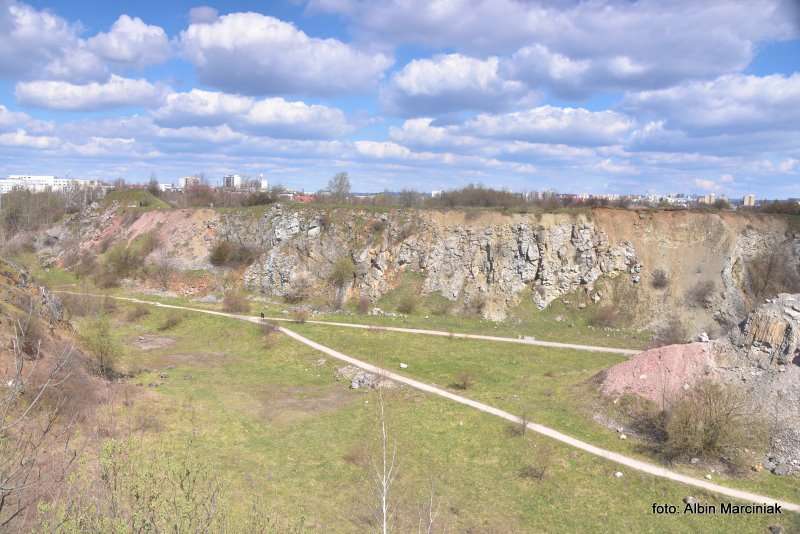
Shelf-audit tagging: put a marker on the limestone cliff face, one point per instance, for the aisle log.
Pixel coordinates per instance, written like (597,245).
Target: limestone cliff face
(461,260)
(488,258)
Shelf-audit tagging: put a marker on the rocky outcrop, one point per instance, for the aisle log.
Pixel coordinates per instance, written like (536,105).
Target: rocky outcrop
(770,335)
(759,358)
(490,264)
(487,260)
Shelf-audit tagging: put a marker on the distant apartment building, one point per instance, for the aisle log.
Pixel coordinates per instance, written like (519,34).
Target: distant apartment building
(749,201)
(710,198)
(188,181)
(232,181)
(43,183)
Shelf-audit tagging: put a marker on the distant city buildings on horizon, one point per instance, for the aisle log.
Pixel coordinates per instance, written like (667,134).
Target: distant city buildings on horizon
(237,182)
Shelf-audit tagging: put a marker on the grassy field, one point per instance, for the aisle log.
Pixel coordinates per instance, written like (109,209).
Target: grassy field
(549,386)
(276,423)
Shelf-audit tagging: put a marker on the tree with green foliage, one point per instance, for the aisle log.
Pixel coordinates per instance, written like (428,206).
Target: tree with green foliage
(101,346)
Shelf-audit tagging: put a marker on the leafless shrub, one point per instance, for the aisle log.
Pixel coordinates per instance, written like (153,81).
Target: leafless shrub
(162,271)
(532,472)
(105,244)
(85,265)
(605,317)
(476,305)
(521,428)
(659,279)
(671,332)
(299,315)
(463,381)
(298,291)
(29,433)
(235,302)
(377,227)
(363,304)
(30,333)
(79,305)
(713,421)
(700,294)
(773,272)
(229,254)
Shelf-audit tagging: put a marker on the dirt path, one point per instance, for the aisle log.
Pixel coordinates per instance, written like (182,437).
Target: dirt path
(632,463)
(520,341)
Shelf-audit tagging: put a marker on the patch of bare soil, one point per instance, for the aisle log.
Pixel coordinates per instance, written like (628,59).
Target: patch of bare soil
(152,342)
(286,405)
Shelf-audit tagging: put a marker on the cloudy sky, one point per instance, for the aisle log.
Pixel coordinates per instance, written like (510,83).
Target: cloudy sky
(603,96)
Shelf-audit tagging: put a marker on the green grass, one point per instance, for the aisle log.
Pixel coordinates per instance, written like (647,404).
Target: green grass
(139,198)
(275,423)
(549,386)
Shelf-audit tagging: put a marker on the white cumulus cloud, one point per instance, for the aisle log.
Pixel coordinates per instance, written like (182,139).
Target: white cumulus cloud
(256,54)
(115,93)
(452,82)
(133,42)
(270,116)
(731,103)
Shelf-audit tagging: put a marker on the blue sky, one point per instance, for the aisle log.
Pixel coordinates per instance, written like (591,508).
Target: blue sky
(597,96)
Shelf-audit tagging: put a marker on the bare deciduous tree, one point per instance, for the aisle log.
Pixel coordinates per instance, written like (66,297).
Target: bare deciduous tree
(384,469)
(28,430)
(339,186)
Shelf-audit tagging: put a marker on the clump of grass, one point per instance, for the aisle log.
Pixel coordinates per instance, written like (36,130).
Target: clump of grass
(136,313)
(172,320)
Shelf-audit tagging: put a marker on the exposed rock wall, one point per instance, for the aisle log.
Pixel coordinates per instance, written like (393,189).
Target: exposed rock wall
(488,258)
(465,262)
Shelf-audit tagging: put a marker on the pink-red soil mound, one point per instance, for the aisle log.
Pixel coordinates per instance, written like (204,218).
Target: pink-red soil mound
(659,374)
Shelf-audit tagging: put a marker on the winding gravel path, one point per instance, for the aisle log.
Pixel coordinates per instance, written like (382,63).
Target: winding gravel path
(632,463)
(520,341)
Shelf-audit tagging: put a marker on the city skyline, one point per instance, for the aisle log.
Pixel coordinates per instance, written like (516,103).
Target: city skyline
(575,96)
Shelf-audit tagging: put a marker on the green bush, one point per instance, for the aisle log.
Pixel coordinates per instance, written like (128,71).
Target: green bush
(407,303)
(343,271)
(171,321)
(101,346)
